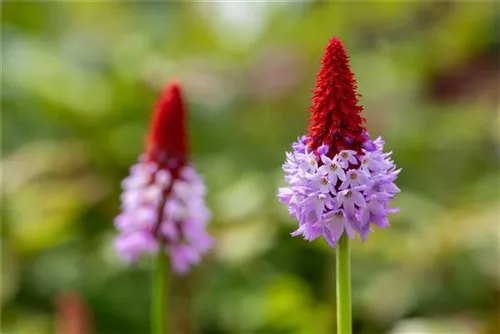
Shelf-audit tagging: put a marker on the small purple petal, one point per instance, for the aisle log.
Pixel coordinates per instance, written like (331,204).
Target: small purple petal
(349,229)
(369,146)
(323,149)
(130,246)
(380,220)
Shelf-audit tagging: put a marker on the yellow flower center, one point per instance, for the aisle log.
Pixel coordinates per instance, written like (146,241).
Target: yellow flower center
(344,155)
(353,176)
(333,167)
(324,180)
(339,214)
(348,194)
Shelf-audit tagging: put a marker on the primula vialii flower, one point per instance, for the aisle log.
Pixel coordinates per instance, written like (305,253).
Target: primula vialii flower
(338,179)
(163,202)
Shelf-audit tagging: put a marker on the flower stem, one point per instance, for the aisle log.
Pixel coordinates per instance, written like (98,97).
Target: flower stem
(344,325)
(159,315)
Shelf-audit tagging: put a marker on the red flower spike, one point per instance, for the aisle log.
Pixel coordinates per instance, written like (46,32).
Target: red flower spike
(335,118)
(168,136)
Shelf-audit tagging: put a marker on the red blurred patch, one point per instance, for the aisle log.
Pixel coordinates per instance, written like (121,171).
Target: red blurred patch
(475,78)
(73,314)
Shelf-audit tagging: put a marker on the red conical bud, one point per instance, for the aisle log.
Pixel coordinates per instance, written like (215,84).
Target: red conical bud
(335,118)
(168,136)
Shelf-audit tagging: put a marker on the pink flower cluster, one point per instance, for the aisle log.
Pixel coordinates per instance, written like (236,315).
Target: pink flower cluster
(346,193)
(167,205)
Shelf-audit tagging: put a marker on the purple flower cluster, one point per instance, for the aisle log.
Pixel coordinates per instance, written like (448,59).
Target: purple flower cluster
(345,193)
(161,204)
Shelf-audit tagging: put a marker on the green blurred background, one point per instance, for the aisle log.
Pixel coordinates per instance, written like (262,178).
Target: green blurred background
(80,79)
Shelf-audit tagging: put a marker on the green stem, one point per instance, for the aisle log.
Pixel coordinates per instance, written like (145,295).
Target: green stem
(159,323)
(344,324)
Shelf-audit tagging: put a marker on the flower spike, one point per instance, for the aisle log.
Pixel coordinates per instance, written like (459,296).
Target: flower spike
(163,207)
(339,181)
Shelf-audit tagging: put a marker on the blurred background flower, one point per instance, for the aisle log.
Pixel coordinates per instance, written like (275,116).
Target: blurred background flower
(78,82)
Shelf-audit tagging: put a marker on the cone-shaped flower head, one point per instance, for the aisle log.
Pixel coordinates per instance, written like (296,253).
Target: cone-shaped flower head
(163,207)
(338,179)
(336,119)
(167,134)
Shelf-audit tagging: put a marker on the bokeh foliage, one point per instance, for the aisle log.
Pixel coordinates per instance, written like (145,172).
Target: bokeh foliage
(79,81)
